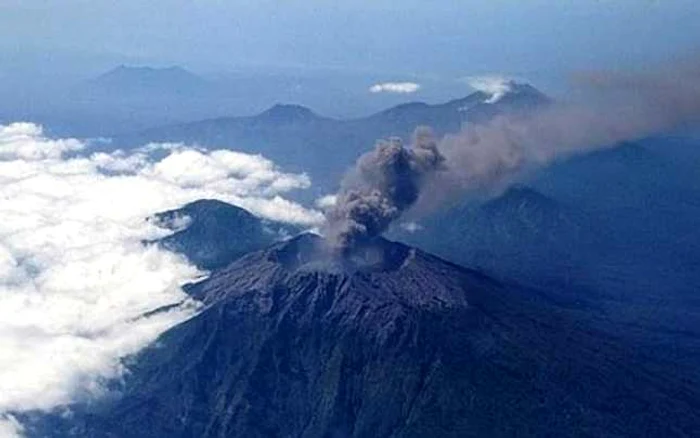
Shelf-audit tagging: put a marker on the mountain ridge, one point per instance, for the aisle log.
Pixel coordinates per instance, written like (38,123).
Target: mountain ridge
(286,133)
(525,91)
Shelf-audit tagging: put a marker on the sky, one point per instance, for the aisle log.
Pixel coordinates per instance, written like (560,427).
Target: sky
(340,48)
(437,37)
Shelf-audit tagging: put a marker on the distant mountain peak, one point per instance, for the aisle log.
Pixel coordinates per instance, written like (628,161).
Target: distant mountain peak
(492,89)
(511,93)
(525,89)
(145,79)
(147,71)
(212,233)
(288,113)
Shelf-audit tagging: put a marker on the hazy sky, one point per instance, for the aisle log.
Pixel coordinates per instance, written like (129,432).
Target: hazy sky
(439,36)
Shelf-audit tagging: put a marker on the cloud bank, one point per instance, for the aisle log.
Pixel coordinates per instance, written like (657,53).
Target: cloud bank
(395,87)
(75,278)
(10,427)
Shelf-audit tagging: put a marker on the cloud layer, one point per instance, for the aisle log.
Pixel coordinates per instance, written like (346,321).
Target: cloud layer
(395,87)
(75,279)
(10,427)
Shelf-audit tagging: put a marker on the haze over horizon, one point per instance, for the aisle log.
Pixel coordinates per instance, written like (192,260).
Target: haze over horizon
(538,39)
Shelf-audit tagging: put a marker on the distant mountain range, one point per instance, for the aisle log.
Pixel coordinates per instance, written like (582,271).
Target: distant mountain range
(298,139)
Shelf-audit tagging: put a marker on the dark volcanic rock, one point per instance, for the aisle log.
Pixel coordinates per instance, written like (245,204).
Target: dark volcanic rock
(390,343)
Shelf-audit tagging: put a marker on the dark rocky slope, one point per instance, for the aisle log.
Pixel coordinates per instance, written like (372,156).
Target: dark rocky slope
(392,342)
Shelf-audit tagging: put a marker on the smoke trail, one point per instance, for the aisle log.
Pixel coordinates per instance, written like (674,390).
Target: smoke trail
(488,157)
(384,183)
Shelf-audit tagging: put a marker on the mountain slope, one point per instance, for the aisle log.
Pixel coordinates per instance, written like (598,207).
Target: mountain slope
(212,234)
(391,342)
(522,234)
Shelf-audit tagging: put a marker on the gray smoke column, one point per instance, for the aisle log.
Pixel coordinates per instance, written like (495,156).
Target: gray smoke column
(384,183)
(485,158)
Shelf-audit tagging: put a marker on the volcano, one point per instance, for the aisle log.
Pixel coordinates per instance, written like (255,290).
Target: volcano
(389,341)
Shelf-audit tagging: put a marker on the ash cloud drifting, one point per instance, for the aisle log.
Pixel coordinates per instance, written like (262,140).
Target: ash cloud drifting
(485,158)
(384,183)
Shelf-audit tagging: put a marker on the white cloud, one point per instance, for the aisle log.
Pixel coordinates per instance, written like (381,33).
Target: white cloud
(10,427)
(326,202)
(495,86)
(75,279)
(17,140)
(395,87)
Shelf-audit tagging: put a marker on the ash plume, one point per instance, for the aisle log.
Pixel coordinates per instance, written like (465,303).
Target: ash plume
(384,183)
(486,158)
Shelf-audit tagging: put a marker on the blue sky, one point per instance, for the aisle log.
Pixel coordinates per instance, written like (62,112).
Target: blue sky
(436,37)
